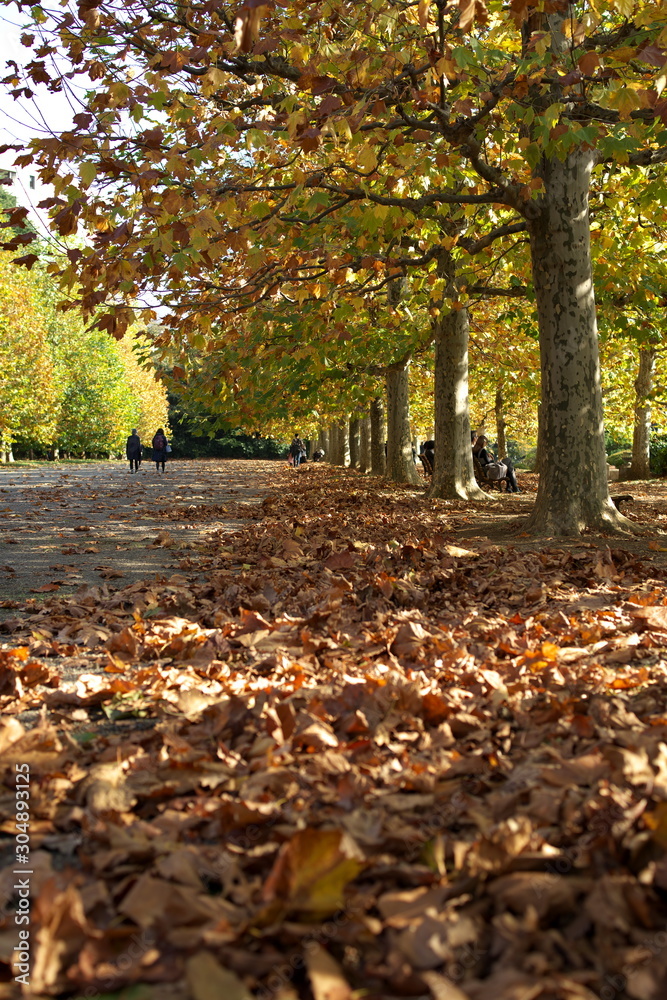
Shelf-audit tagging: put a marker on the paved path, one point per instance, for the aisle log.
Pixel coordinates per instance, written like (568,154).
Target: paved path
(65,525)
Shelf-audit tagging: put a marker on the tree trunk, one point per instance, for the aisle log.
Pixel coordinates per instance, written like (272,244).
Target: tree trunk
(400,463)
(640,468)
(355,442)
(540,447)
(323,442)
(499,407)
(378,437)
(365,443)
(334,445)
(453,473)
(573,492)
(338,438)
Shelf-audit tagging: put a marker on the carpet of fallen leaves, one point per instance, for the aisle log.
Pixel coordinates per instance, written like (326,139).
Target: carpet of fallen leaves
(358,760)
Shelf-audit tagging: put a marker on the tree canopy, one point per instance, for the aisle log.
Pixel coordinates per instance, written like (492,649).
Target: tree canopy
(234,158)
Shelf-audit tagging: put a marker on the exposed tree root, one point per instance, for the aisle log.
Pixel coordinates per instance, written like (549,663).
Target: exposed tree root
(572,517)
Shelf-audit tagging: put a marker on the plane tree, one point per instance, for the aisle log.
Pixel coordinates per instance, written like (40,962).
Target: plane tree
(196,299)
(525,104)
(629,242)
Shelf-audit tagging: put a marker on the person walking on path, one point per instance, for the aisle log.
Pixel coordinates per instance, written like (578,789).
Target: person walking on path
(296,450)
(160,447)
(133,450)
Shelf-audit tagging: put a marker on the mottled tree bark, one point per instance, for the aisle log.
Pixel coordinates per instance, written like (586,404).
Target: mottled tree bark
(400,463)
(538,450)
(573,492)
(365,443)
(378,437)
(338,442)
(499,407)
(354,442)
(323,442)
(453,473)
(641,437)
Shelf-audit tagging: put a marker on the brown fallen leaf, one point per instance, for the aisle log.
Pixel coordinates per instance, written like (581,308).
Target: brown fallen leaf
(326,976)
(652,617)
(208,980)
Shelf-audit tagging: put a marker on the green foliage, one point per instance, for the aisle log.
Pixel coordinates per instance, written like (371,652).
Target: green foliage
(196,436)
(97,408)
(62,386)
(620,457)
(616,442)
(658,455)
(527,463)
(29,396)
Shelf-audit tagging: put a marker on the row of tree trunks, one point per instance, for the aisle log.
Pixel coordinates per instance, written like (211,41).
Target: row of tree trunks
(573,491)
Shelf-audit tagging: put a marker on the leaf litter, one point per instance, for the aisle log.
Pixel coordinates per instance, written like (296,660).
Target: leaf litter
(344,754)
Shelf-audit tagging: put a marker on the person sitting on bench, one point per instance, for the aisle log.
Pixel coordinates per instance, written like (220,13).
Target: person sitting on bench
(485,457)
(427,456)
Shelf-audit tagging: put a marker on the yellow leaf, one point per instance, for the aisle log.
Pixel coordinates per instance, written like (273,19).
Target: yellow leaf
(551,115)
(626,100)
(87,173)
(624,7)
(213,80)
(543,43)
(311,872)
(367,158)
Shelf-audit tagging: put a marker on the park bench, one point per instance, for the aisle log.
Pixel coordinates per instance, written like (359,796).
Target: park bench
(483,482)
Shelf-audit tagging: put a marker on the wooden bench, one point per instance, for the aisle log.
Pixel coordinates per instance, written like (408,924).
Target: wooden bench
(483,482)
(428,468)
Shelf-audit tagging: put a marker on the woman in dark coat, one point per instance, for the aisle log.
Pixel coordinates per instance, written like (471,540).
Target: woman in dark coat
(485,456)
(133,450)
(159,445)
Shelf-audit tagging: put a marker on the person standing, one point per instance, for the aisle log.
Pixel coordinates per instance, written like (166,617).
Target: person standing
(160,447)
(133,450)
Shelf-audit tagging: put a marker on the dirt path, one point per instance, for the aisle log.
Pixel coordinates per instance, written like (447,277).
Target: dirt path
(65,526)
